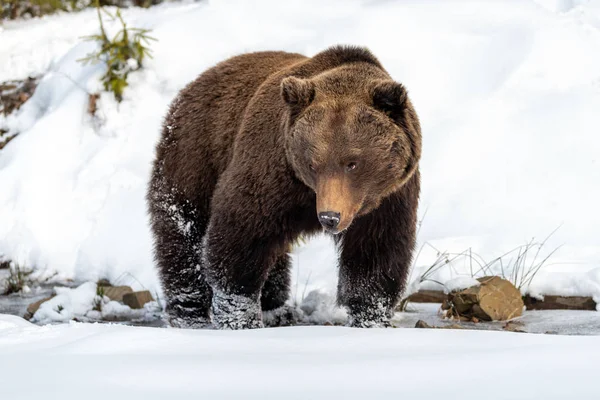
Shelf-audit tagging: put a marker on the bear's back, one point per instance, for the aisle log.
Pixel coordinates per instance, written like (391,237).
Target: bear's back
(200,127)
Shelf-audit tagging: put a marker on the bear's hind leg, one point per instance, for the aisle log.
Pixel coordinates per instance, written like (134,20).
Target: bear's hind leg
(178,237)
(276,289)
(275,294)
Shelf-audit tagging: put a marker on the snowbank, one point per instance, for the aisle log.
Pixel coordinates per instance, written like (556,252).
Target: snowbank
(508,94)
(120,362)
(67,304)
(85,303)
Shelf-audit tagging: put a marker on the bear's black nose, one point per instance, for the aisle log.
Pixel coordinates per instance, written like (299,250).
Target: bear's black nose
(329,219)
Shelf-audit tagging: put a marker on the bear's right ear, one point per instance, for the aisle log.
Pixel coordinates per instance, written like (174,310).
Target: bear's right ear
(297,92)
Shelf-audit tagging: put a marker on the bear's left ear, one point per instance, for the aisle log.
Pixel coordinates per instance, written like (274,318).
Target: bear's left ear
(390,97)
(297,92)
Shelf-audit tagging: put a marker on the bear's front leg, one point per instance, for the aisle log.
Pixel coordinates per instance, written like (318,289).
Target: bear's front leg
(236,267)
(375,257)
(239,250)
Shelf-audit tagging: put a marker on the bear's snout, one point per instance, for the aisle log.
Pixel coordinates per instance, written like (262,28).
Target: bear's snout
(329,219)
(337,202)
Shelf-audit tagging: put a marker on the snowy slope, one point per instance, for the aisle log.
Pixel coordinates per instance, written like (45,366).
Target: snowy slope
(119,362)
(508,93)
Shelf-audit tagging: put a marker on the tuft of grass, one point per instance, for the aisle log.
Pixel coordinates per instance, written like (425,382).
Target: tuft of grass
(18,278)
(122,54)
(519,265)
(524,262)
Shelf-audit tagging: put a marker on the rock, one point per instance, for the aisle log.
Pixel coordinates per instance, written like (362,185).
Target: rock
(514,326)
(33,307)
(495,299)
(560,303)
(4,264)
(446,304)
(427,296)
(103,282)
(137,299)
(116,293)
(422,324)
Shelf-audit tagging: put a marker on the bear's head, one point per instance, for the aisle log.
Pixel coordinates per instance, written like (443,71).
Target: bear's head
(352,135)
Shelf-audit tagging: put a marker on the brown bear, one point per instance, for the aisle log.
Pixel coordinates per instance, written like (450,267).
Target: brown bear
(265,147)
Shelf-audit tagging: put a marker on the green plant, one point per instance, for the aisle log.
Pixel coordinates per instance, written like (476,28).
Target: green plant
(123,54)
(99,298)
(18,278)
(59,308)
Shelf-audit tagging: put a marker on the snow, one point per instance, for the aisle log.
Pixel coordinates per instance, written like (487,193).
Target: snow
(298,363)
(84,303)
(557,322)
(320,307)
(67,304)
(459,283)
(508,93)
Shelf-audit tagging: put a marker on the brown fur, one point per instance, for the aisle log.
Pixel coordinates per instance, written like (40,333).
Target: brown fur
(252,150)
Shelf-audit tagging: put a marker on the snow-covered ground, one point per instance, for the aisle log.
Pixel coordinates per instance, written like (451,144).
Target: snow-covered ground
(508,93)
(120,362)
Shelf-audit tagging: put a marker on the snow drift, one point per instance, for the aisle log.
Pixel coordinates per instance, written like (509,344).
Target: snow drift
(508,93)
(123,362)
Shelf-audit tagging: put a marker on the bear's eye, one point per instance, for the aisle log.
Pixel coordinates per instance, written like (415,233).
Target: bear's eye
(312,167)
(351,166)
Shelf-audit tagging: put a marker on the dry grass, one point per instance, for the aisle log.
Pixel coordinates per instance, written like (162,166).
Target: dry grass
(519,265)
(18,278)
